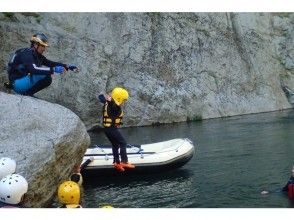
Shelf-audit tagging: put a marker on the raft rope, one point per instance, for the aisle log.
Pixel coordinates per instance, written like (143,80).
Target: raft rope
(106,155)
(140,151)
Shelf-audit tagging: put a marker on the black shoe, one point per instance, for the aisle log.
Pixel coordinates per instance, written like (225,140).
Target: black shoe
(7,85)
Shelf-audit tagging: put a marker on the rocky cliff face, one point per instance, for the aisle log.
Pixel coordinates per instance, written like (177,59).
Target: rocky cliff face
(46,140)
(176,66)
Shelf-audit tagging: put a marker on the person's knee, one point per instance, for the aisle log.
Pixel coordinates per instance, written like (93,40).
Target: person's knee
(47,80)
(21,85)
(44,83)
(41,82)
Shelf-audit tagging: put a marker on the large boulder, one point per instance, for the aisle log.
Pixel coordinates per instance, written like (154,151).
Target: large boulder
(45,139)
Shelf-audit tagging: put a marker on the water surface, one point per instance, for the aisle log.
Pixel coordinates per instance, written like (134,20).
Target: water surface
(236,158)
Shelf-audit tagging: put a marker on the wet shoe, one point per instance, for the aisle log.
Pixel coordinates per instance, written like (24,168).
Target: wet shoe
(118,167)
(128,165)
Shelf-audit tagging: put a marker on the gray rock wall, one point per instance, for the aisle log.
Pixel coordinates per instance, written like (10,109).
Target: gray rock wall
(45,139)
(176,66)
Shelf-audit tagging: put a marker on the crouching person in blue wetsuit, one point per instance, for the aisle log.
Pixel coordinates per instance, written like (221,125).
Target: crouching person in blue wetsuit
(12,190)
(289,187)
(112,119)
(29,71)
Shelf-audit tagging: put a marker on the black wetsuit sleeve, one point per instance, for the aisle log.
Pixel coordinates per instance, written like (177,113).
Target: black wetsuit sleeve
(86,163)
(50,63)
(114,109)
(102,98)
(31,66)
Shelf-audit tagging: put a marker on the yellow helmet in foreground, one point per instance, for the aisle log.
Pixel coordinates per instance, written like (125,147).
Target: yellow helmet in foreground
(69,193)
(119,95)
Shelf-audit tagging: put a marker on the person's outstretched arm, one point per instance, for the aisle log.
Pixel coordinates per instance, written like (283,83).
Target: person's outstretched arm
(86,163)
(31,66)
(50,63)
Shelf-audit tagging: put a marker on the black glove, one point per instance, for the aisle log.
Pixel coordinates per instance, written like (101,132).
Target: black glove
(72,67)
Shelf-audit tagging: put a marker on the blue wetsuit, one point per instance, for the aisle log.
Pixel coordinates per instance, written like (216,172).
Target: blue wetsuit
(30,72)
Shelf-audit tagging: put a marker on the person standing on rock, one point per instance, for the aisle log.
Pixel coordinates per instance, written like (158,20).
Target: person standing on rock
(112,119)
(29,71)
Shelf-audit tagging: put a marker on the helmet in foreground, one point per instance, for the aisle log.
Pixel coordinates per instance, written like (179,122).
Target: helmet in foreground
(12,189)
(7,166)
(69,193)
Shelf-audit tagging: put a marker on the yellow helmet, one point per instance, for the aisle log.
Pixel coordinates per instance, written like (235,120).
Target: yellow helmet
(119,95)
(69,193)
